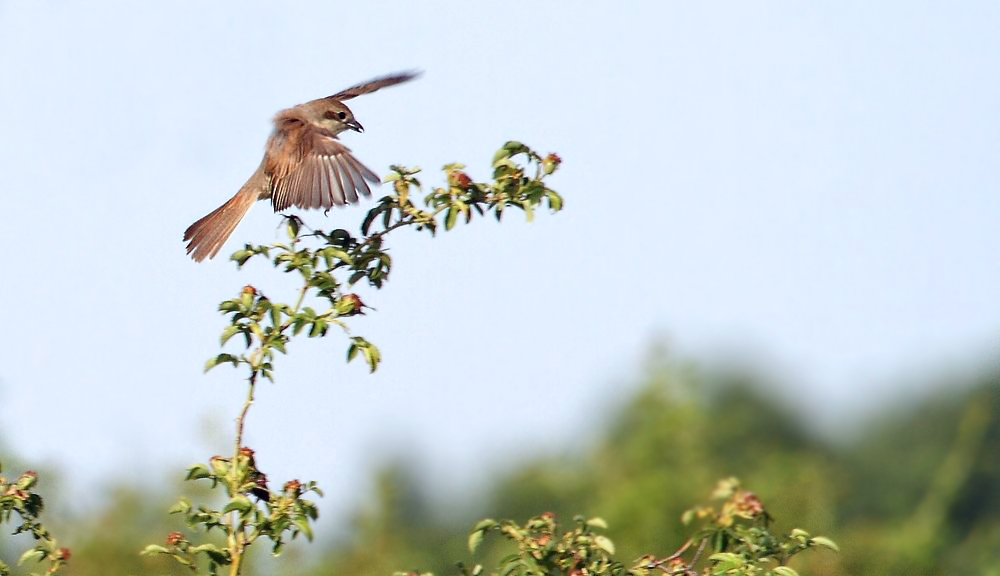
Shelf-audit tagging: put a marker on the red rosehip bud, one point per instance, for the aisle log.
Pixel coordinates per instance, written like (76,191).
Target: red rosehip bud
(350,305)
(247,295)
(27,480)
(460,179)
(550,163)
(293,488)
(748,504)
(248,454)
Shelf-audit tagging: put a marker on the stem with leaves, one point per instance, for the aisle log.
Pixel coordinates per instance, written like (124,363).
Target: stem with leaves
(329,264)
(18,497)
(737,533)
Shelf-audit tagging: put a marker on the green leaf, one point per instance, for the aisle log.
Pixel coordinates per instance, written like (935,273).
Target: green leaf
(799,534)
(213,362)
(278,548)
(339,255)
(239,503)
(372,356)
(369,218)
(387,218)
(450,216)
(366,348)
(318,329)
(303,525)
(509,149)
(725,488)
(605,543)
(228,333)
(555,200)
(514,566)
(501,154)
(197,472)
(35,554)
(181,507)
(688,516)
(220,557)
(154,549)
(784,571)
(725,561)
(485,524)
(825,543)
(279,345)
(504,168)
(597,523)
(475,539)
(241,256)
(204,548)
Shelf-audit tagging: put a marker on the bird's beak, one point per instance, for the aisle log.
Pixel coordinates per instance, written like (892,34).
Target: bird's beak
(355,125)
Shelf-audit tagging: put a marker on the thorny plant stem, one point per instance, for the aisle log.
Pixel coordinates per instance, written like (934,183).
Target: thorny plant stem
(407,219)
(237,539)
(243,413)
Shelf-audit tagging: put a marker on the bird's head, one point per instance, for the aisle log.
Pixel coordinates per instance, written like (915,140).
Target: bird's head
(334,116)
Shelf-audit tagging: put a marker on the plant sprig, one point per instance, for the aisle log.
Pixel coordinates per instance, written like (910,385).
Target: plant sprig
(733,539)
(18,497)
(329,264)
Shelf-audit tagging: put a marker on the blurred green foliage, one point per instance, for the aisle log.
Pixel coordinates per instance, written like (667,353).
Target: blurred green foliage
(914,494)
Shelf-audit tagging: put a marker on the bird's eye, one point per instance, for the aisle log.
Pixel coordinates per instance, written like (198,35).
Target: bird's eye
(341,115)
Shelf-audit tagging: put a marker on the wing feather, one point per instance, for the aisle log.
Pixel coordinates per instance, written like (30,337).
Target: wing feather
(338,196)
(326,197)
(350,188)
(364,171)
(315,170)
(374,84)
(359,181)
(312,177)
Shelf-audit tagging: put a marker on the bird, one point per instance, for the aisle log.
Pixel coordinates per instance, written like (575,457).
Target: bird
(304,165)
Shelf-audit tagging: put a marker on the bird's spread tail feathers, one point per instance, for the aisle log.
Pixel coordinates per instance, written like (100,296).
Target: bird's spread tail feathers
(206,236)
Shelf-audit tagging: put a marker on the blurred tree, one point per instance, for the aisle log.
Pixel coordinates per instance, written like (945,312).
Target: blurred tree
(922,494)
(401,529)
(662,452)
(665,448)
(106,541)
(915,494)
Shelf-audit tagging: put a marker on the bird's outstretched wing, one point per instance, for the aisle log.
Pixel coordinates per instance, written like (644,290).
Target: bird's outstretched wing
(373,85)
(323,175)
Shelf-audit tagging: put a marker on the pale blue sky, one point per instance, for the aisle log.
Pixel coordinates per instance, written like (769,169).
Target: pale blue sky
(812,188)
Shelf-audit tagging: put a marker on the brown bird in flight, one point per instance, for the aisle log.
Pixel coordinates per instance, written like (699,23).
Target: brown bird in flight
(304,165)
